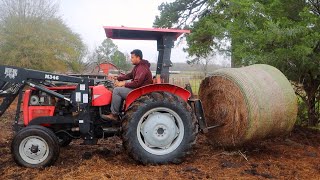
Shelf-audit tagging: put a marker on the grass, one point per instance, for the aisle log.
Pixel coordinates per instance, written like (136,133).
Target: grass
(195,85)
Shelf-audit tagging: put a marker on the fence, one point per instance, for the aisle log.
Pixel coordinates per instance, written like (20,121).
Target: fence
(194,78)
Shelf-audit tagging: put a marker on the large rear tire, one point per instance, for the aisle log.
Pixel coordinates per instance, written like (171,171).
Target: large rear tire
(159,128)
(35,146)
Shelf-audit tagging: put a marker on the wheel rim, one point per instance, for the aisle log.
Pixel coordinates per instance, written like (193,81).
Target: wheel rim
(34,149)
(160,131)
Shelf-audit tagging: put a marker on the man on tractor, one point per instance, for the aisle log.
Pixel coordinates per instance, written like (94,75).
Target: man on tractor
(160,121)
(140,76)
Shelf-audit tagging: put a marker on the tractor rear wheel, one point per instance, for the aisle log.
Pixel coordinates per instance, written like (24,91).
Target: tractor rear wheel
(35,146)
(159,128)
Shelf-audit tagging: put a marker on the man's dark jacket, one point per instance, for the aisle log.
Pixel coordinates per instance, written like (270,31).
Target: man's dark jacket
(140,75)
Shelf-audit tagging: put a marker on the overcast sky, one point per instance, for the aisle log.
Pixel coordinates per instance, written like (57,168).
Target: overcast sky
(87,18)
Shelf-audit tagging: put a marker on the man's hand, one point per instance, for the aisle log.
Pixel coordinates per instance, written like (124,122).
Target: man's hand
(120,83)
(113,77)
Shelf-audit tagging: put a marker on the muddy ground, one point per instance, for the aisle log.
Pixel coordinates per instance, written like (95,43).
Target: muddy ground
(296,156)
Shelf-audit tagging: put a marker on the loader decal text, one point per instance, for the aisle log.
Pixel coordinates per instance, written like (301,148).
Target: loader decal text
(11,73)
(51,77)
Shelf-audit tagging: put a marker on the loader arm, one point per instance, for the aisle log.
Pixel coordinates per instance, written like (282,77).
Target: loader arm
(21,75)
(14,79)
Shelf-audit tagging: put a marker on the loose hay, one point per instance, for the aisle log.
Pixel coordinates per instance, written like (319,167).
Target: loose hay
(252,103)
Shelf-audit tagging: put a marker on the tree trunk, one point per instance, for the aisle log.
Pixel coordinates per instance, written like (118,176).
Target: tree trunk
(312,116)
(233,59)
(310,88)
(205,68)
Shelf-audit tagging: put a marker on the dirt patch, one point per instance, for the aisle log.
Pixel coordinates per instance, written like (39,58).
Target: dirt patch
(294,157)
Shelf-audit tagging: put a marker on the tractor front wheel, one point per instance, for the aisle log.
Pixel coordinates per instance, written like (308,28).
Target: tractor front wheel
(159,128)
(35,146)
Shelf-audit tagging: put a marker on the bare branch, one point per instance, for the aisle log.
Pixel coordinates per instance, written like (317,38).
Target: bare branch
(315,4)
(194,8)
(42,9)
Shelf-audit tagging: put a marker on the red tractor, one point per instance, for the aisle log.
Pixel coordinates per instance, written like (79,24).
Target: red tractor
(159,122)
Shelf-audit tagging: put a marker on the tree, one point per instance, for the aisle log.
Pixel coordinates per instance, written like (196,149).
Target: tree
(40,9)
(293,46)
(33,36)
(108,52)
(282,33)
(120,60)
(203,62)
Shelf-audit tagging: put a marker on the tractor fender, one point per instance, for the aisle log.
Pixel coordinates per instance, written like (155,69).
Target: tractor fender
(176,90)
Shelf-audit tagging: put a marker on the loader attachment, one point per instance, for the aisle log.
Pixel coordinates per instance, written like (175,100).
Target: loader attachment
(8,93)
(14,79)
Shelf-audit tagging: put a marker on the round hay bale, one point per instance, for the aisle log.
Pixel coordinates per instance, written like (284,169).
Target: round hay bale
(251,103)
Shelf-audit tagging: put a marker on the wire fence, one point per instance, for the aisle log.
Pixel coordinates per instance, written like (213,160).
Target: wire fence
(183,78)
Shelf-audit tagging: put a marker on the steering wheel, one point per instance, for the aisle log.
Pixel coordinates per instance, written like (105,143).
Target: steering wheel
(107,83)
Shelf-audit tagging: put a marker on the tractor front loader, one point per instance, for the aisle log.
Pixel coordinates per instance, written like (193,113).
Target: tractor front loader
(159,122)
(51,114)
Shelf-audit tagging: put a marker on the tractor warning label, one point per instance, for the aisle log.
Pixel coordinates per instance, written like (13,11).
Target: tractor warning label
(11,73)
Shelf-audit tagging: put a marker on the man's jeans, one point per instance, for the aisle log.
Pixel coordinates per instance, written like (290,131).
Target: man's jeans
(118,95)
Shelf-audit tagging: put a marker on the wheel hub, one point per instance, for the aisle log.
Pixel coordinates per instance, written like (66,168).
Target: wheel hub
(34,150)
(159,130)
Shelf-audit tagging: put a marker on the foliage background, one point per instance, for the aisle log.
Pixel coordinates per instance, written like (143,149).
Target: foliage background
(282,33)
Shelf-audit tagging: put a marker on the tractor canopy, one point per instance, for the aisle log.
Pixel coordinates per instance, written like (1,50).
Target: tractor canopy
(131,33)
(165,41)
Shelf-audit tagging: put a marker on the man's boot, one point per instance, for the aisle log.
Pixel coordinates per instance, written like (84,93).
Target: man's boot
(112,117)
